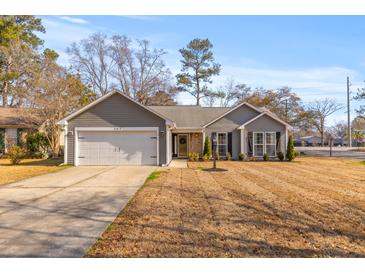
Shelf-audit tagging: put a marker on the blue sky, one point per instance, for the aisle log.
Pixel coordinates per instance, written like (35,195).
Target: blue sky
(311,54)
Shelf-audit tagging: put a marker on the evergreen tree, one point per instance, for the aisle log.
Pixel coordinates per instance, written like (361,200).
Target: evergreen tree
(198,67)
(290,153)
(207,147)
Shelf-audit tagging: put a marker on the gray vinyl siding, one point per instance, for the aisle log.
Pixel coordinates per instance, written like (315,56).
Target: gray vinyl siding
(117,111)
(230,123)
(265,124)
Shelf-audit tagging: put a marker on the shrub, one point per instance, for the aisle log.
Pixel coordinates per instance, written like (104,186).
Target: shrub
(253,158)
(281,156)
(266,157)
(205,157)
(207,147)
(228,156)
(290,153)
(241,156)
(193,156)
(16,154)
(36,144)
(297,153)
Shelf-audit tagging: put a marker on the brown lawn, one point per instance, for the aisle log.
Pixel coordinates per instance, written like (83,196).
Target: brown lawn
(312,207)
(26,169)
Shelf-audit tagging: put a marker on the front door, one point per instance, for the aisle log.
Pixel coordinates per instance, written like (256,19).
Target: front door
(182,141)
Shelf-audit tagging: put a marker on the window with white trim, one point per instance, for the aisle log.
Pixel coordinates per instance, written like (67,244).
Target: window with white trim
(222,143)
(270,144)
(258,144)
(264,142)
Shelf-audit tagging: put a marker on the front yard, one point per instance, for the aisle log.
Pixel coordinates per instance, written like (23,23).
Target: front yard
(27,168)
(312,207)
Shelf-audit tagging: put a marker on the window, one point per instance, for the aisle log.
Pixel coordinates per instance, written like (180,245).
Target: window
(222,143)
(258,144)
(264,142)
(270,144)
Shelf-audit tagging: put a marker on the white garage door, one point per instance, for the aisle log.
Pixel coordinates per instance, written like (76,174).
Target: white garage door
(117,148)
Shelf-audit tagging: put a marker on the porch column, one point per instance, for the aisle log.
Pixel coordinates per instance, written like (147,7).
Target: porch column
(286,141)
(242,135)
(203,141)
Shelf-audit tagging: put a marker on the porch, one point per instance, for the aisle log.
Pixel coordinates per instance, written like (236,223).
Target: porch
(248,142)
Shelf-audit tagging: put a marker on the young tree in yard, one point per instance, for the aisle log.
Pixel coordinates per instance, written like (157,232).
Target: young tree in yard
(91,59)
(290,153)
(198,67)
(18,45)
(55,93)
(207,147)
(319,111)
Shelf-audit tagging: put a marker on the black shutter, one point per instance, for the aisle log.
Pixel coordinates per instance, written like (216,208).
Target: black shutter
(214,135)
(250,141)
(229,143)
(278,147)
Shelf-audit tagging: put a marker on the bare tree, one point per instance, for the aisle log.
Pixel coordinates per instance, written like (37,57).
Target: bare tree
(91,59)
(55,93)
(338,130)
(232,93)
(140,72)
(319,111)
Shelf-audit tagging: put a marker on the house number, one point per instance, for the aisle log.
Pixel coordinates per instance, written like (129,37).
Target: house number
(118,128)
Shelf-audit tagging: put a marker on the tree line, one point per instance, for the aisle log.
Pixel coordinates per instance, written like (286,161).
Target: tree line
(32,78)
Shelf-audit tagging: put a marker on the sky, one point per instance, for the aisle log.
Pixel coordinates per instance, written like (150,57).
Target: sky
(311,54)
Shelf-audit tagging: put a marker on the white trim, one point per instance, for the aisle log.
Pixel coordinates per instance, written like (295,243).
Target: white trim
(187,145)
(253,143)
(262,114)
(270,132)
(226,144)
(77,129)
(263,143)
(233,109)
(102,98)
(286,141)
(65,143)
(242,150)
(168,146)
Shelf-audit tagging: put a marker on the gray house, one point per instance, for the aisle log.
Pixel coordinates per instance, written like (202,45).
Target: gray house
(116,130)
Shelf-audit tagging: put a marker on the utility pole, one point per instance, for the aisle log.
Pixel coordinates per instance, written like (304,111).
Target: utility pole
(349,141)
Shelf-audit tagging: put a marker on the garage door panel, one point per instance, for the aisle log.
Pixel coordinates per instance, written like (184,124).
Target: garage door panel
(117,148)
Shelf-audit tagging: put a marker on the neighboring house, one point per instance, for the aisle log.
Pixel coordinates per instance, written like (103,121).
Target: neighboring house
(308,141)
(116,130)
(12,126)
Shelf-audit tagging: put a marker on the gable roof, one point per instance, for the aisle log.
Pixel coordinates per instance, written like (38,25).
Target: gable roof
(14,118)
(102,98)
(231,110)
(271,115)
(190,116)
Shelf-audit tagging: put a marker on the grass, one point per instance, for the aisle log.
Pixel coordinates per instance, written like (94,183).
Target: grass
(312,207)
(27,168)
(155,175)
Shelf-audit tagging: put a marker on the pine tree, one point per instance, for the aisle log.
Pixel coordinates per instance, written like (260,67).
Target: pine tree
(207,147)
(290,153)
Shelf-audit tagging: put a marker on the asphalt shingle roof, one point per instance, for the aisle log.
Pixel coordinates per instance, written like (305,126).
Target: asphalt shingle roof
(190,116)
(13,117)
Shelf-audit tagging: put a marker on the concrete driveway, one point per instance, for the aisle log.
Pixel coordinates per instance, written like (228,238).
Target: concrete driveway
(62,214)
